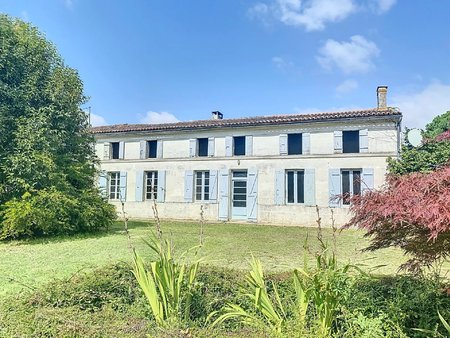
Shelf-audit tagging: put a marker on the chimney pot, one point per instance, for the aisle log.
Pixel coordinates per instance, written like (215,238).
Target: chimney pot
(381,96)
(216,115)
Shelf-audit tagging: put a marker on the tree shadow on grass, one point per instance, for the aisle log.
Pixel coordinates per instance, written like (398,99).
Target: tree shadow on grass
(116,229)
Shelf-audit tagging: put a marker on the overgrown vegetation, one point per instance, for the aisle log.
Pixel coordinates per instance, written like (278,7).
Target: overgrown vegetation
(47,160)
(109,303)
(167,284)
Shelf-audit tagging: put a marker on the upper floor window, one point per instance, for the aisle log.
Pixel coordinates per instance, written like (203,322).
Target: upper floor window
(238,145)
(114,185)
(202,146)
(151,185)
(294,144)
(350,141)
(351,184)
(295,186)
(152,147)
(202,185)
(115,150)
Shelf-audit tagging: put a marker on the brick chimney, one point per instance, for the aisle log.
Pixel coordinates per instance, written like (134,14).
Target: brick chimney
(216,115)
(381,96)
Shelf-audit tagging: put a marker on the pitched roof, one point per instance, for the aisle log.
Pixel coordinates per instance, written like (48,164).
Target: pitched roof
(249,121)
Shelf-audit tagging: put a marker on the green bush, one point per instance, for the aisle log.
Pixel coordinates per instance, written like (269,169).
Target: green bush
(408,302)
(114,286)
(52,212)
(102,303)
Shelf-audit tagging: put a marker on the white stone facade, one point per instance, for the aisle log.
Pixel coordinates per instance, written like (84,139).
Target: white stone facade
(268,196)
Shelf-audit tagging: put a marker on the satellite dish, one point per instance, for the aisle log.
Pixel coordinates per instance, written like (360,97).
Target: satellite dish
(414,137)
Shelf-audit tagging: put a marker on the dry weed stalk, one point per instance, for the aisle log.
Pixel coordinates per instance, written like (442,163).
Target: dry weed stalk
(157,220)
(125,221)
(202,224)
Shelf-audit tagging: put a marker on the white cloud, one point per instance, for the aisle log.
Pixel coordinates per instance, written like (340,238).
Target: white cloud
(282,64)
(153,117)
(354,56)
(347,86)
(381,6)
(420,107)
(314,14)
(259,11)
(97,120)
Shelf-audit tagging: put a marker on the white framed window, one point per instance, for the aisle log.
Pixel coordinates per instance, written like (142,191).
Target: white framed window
(151,185)
(295,186)
(351,184)
(202,185)
(114,185)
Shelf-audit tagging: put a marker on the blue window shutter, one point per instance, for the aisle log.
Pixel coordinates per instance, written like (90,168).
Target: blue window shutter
(279,187)
(334,186)
(213,185)
(192,147)
(283,144)
(107,151)
(121,150)
(338,141)
(306,143)
(252,194)
(139,185)
(123,186)
(159,149)
(161,196)
(211,146)
(224,195)
(143,152)
(188,185)
(103,183)
(367,180)
(228,146)
(248,145)
(310,187)
(363,141)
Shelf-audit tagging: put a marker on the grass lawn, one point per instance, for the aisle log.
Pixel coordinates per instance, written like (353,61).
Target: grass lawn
(30,264)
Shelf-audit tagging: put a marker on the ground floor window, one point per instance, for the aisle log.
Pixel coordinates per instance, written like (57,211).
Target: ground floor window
(151,185)
(202,185)
(295,183)
(114,185)
(351,184)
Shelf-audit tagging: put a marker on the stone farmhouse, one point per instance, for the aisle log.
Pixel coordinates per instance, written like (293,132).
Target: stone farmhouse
(266,169)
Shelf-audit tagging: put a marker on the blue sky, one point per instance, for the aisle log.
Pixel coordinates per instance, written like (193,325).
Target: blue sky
(161,61)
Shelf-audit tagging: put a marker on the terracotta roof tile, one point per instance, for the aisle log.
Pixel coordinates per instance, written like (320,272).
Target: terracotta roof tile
(248,121)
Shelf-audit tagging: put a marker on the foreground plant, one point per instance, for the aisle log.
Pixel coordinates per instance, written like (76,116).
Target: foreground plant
(270,314)
(318,295)
(167,284)
(444,323)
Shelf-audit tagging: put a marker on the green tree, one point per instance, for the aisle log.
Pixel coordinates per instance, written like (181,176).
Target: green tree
(434,152)
(47,159)
(438,125)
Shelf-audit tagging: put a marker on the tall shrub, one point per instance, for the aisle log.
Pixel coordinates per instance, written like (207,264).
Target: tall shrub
(411,212)
(47,159)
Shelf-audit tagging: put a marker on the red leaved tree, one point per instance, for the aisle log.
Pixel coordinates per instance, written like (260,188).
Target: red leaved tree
(411,212)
